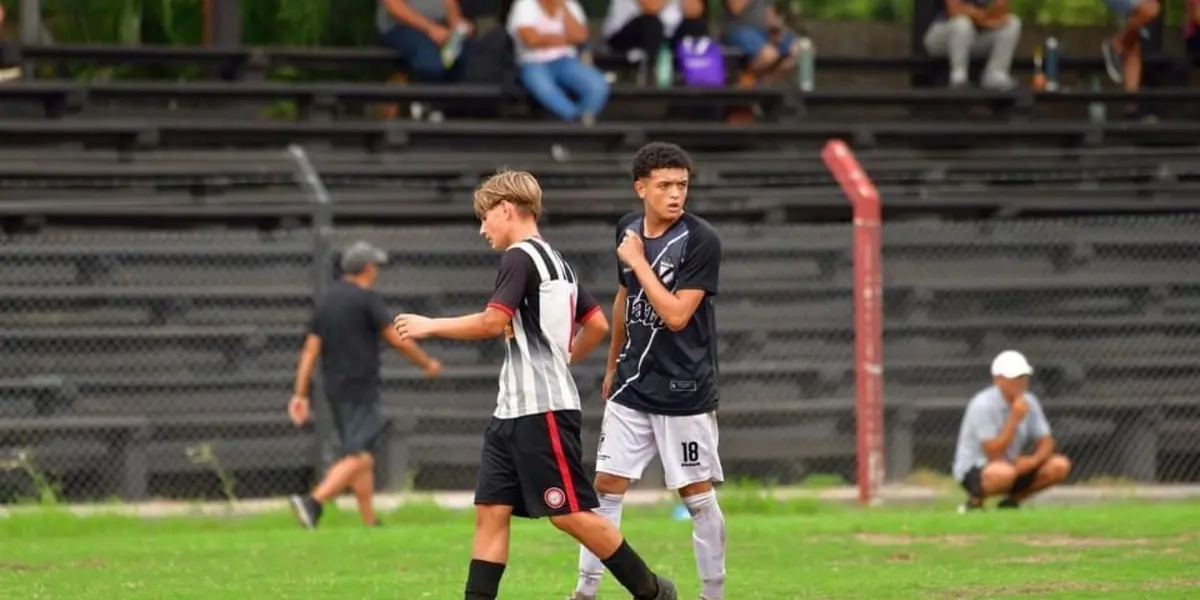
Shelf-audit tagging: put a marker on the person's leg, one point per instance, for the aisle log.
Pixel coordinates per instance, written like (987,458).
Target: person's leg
(999,45)
(308,508)
(363,487)
(692,464)
(424,58)
(554,484)
(538,79)
(996,477)
(643,32)
(788,47)
(626,448)
(953,39)
(497,498)
(1052,472)
(585,81)
(761,57)
(456,71)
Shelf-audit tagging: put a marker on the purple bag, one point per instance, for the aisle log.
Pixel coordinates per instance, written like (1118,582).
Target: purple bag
(701,61)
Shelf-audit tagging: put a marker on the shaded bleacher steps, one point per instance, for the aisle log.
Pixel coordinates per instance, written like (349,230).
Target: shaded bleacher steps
(257,186)
(149,344)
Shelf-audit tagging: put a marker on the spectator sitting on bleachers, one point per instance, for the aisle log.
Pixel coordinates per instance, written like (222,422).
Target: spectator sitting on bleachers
(10,73)
(1123,53)
(648,24)
(971,27)
(1191,31)
(1000,422)
(757,31)
(421,30)
(546,36)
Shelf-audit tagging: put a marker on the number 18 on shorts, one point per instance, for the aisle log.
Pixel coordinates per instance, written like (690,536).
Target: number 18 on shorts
(687,445)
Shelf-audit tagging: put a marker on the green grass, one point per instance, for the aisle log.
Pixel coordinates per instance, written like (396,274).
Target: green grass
(777,551)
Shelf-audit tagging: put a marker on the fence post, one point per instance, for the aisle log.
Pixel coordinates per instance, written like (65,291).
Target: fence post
(322,234)
(868,314)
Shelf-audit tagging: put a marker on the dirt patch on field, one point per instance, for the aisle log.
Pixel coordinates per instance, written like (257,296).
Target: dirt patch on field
(1065,586)
(12,566)
(1068,541)
(1036,559)
(883,539)
(902,557)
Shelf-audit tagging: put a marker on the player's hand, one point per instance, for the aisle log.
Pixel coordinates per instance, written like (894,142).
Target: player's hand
(467,26)
(1020,407)
(1025,464)
(606,386)
(440,35)
(298,410)
(631,250)
(412,327)
(433,368)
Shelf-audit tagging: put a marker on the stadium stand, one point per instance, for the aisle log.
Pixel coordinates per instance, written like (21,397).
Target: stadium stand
(157,272)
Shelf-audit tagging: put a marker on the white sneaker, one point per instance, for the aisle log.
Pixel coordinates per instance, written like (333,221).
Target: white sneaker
(10,74)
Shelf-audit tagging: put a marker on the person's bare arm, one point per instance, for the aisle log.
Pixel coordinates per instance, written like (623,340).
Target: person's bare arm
(590,334)
(955,8)
(405,14)
(478,326)
(676,309)
(308,361)
(532,39)
(693,9)
(412,352)
(1041,453)
(996,447)
(617,342)
(577,31)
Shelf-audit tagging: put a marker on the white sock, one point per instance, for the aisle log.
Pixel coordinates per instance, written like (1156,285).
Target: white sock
(708,540)
(591,569)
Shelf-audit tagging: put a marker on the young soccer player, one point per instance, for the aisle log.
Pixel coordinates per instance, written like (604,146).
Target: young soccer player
(661,381)
(532,463)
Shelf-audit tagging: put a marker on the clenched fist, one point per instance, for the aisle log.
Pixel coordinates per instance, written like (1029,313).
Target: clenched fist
(631,250)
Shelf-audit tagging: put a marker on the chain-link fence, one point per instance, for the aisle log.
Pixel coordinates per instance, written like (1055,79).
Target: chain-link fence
(140,365)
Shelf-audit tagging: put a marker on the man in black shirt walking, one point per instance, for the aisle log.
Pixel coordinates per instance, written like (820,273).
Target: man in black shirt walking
(345,331)
(661,380)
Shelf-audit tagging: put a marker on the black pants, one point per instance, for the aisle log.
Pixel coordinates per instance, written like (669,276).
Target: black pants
(645,33)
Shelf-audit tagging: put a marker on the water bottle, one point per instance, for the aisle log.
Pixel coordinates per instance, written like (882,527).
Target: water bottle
(453,47)
(1097,111)
(1039,72)
(664,67)
(806,58)
(1051,64)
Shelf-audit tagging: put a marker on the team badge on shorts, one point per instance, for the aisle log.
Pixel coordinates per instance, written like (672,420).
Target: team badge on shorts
(554,498)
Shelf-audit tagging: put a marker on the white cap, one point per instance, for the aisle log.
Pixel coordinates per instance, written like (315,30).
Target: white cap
(1011,364)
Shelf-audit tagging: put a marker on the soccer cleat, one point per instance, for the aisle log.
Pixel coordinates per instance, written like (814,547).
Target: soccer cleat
(666,589)
(306,510)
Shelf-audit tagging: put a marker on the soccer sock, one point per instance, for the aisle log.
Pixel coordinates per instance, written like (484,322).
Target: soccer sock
(708,540)
(629,569)
(483,580)
(591,569)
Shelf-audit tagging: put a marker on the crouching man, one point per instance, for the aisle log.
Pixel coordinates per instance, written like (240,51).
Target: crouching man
(999,423)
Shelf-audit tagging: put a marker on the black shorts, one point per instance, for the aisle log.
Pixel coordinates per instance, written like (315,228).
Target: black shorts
(535,465)
(973,482)
(360,424)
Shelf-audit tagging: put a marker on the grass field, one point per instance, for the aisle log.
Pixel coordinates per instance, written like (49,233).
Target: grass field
(777,550)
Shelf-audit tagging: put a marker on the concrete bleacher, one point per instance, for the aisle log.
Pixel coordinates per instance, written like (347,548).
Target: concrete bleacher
(176,340)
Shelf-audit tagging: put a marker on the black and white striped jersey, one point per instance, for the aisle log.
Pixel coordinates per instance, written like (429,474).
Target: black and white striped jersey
(542,295)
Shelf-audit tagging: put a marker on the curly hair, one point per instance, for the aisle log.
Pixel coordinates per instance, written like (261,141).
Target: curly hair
(660,155)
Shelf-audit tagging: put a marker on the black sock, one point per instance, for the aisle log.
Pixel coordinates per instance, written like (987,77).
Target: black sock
(629,569)
(483,580)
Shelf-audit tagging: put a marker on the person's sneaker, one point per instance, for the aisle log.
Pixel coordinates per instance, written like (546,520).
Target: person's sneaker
(666,589)
(1008,503)
(997,82)
(1112,62)
(971,504)
(306,510)
(579,596)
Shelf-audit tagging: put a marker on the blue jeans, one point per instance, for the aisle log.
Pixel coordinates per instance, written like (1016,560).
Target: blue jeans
(750,40)
(425,57)
(549,82)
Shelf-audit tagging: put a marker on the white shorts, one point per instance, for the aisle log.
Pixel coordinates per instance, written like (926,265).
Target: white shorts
(687,445)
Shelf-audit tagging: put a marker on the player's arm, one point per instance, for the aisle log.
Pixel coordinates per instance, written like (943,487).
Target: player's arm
(592,326)
(407,348)
(617,342)
(1040,430)
(512,286)
(698,276)
(996,443)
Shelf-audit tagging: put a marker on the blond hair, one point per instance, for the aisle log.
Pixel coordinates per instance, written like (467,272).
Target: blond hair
(517,187)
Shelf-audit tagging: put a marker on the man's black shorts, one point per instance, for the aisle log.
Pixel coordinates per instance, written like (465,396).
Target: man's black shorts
(973,482)
(355,408)
(535,465)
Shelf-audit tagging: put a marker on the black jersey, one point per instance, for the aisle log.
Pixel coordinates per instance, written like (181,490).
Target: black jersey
(660,371)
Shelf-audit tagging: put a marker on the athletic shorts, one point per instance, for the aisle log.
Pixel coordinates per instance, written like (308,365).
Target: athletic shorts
(973,482)
(535,465)
(356,415)
(687,445)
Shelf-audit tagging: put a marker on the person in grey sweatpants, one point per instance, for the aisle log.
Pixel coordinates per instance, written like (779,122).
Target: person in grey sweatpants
(966,28)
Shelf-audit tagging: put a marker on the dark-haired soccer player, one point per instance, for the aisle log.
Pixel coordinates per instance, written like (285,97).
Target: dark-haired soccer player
(532,464)
(661,380)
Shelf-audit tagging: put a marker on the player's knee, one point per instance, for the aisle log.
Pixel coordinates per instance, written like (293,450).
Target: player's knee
(1057,468)
(572,524)
(607,483)
(365,460)
(695,489)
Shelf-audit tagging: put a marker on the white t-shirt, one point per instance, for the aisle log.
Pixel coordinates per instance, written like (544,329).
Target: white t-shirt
(529,13)
(621,12)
